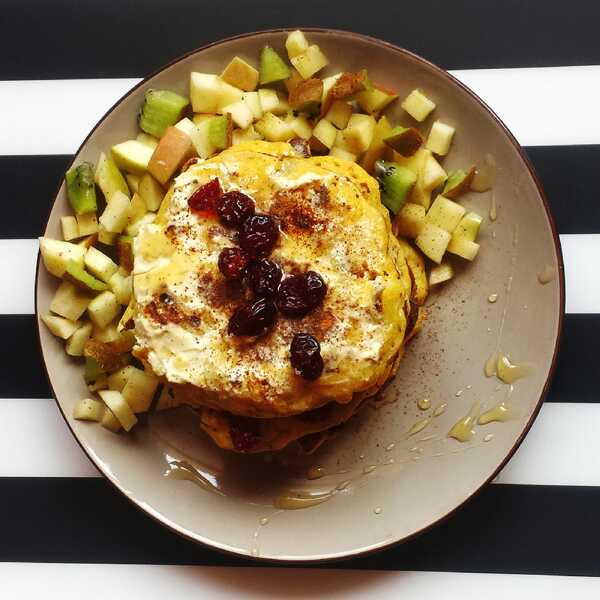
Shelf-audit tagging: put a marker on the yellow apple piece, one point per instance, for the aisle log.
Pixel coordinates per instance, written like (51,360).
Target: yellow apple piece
(132,156)
(410,220)
(119,407)
(310,61)
(69,228)
(57,254)
(240,74)
(323,137)
(440,273)
(440,138)
(103,309)
(417,105)
(445,213)
(76,343)
(295,44)
(59,326)
(69,301)
(89,410)
(433,241)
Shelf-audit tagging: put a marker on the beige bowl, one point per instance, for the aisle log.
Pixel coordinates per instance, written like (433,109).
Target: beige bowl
(419,479)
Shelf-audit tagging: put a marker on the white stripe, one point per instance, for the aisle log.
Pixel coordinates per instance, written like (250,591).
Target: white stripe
(99,581)
(581,255)
(541,106)
(561,449)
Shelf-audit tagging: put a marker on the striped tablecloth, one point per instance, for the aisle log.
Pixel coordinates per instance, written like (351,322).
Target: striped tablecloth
(65,533)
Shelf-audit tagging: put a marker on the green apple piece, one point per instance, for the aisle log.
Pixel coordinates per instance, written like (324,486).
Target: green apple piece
(375,99)
(458,183)
(92,370)
(410,220)
(81,190)
(103,309)
(396,182)
(151,192)
(404,140)
(76,343)
(240,74)
(87,224)
(440,138)
(323,137)
(69,301)
(272,101)
(343,154)
(359,132)
(252,99)
(80,278)
(463,247)
(433,241)
(378,148)
(89,410)
(108,177)
(440,273)
(99,265)
(469,225)
(139,390)
(161,109)
(121,287)
(309,62)
(69,228)
(445,213)
(339,113)
(148,140)
(274,129)
(240,113)
(295,43)
(59,326)
(432,175)
(119,408)
(272,67)
(57,254)
(417,105)
(205,92)
(132,156)
(220,130)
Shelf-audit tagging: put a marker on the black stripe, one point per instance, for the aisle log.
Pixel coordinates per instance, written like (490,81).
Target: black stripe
(58,39)
(568,174)
(506,529)
(22,374)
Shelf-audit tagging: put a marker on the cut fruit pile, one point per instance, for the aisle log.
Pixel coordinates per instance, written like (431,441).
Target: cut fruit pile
(281,100)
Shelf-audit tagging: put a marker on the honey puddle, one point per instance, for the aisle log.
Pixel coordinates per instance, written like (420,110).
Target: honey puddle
(418,426)
(546,275)
(499,364)
(182,470)
(502,412)
(464,429)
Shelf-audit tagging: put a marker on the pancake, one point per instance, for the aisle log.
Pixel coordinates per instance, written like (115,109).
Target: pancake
(332,222)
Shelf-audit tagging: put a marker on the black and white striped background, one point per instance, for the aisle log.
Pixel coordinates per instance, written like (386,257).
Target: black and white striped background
(64,531)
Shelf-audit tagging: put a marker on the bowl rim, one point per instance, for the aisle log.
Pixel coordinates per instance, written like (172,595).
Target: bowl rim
(385,545)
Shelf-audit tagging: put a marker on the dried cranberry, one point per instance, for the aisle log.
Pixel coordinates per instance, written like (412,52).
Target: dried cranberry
(233,262)
(306,357)
(299,294)
(234,208)
(244,433)
(263,277)
(204,200)
(253,318)
(258,235)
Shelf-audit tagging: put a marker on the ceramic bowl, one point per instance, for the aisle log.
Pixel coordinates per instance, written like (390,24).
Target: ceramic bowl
(419,479)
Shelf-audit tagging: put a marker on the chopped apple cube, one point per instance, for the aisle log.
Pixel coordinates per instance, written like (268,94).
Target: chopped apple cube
(151,192)
(359,132)
(220,130)
(100,265)
(119,407)
(245,135)
(375,99)
(274,129)
(174,148)
(410,220)
(240,113)
(440,138)
(70,229)
(346,85)
(295,43)
(89,410)
(205,92)
(458,183)
(463,247)
(341,153)
(301,126)
(57,254)
(310,61)
(272,101)
(417,105)
(240,74)
(132,156)
(306,96)
(109,421)
(445,213)
(106,237)
(76,343)
(469,225)
(87,223)
(121,287)
(378,148)
(323,137)
(59,326)
(137,209)
(252,99)
(440,273)
(116,214)
(339,113)
(228,94)
(328,83)
(139,390)
(433,241)
(148,140)
(432,174)
(69,301)
(118,379)
(404,140)
(103,309)
(293,80)
(108,177)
